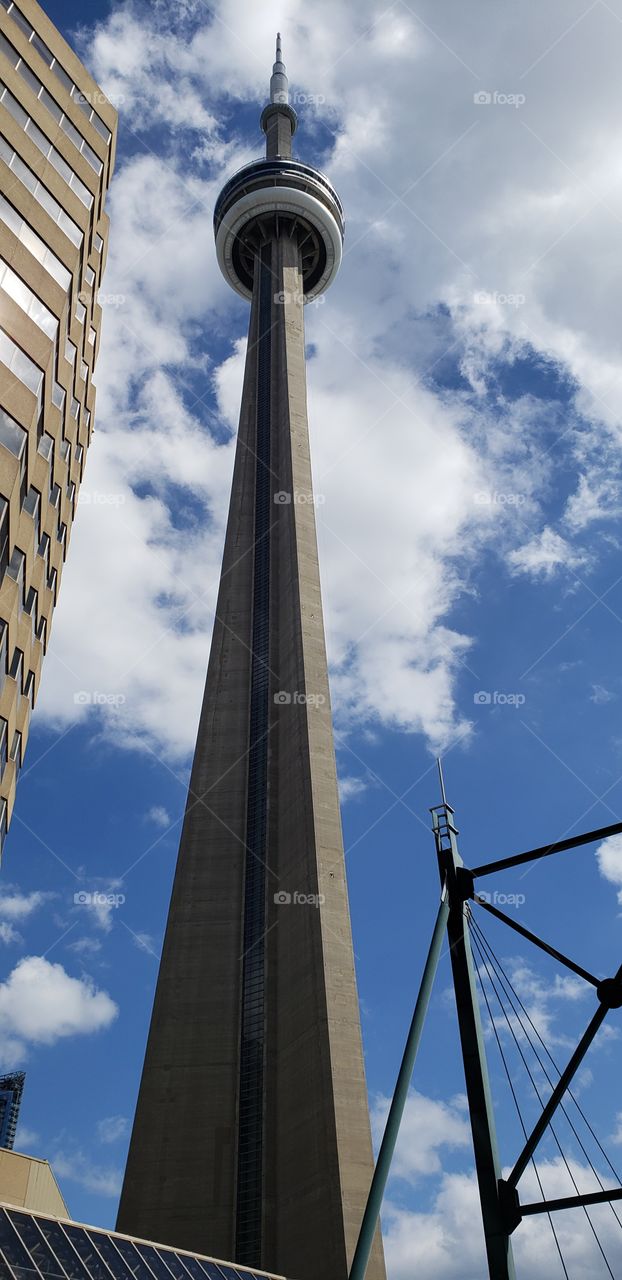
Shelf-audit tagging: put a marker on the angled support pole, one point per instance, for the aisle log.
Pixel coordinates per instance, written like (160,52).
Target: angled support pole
(394,1118)
(459,884)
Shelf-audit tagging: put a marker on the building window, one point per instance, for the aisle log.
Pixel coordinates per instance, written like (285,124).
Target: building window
(4,537)
(4,734)
(46,446)
(42,630)
(32,507)
(15,438)
(59,71)
(45,146)
(36,246)
(16,751)
(44,550)
(25,71)
(58,396)
(27,300)
(41,193)
(16,570)
(16,669)
(29,688)
(22,366)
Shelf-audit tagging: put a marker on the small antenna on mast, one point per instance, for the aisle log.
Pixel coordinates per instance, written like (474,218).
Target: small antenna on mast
(441,779)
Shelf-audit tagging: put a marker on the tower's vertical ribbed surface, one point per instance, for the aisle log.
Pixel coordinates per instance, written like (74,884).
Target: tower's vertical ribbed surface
(251,1139)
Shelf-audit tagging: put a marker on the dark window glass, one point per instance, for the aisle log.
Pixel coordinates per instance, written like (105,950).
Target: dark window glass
(8,50)
(29,76)
(174,1264)
(61,75)
(20,21)
(56,1237)
(94,1264)
(132,1258)
(4,537)
(5,1270)
(155,1260)
(194,1268)
(14,1252)
(37,1246)
(42,49)
(110,1254)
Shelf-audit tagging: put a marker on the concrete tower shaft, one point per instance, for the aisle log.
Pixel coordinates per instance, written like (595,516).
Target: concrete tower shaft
(251,1138)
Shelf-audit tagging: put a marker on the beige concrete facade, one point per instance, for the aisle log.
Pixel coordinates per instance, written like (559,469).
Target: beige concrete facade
(185,1175)
(57,148)
(28,1183)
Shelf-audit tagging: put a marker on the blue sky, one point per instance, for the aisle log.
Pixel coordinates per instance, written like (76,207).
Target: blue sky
(465,422)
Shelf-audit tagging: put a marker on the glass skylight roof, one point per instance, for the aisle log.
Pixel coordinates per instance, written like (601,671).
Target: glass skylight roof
(36,1247)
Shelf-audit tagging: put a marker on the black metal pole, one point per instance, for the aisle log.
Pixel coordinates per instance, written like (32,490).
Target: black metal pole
(557,1095)
(546,850)
(498,1246)
(533,937)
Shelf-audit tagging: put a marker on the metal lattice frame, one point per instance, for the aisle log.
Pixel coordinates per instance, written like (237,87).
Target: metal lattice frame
(501,1208)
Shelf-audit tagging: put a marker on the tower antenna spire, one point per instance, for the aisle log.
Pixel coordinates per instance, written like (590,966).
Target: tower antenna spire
(279,84)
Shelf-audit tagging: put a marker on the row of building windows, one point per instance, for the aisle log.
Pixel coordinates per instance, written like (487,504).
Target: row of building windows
(21,366)
(35,245)
(45,146)
(31,304)
(81,99)
(16,669)
(16,749)
(28,236)
(27,300)
(39,247)
(41,194)
(40,92)
(14,566)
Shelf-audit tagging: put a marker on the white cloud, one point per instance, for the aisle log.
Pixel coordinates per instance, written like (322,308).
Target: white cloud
(112,1128)
(399,461)
(145,942)
(428,1126)
(26,1139)
(100,900)
(543,555)
(446,1242)
(158,815)
(82,946)
(349,788)
(609,859)
(600,695)
(617,1133)
(8,933)
(41,1003)
(19,906)
(78,1167)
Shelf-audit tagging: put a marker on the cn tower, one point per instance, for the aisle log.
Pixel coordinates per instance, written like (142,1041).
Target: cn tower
(251,1138)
